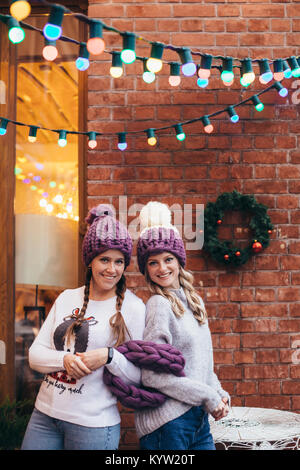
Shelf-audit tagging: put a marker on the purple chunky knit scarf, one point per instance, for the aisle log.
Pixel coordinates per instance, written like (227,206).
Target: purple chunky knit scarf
(148,355)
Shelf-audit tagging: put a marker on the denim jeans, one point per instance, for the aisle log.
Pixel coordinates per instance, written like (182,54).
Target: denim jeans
(190,431)
(46,433)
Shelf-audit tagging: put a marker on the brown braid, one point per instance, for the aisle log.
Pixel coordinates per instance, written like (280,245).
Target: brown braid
(117,322)
(77,323)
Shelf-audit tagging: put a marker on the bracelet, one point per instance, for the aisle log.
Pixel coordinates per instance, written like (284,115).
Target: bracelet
(110,355)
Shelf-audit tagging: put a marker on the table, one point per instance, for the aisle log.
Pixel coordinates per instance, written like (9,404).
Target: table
(247,428)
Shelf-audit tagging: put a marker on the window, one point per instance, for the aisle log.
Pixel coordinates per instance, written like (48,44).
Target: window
(46,188)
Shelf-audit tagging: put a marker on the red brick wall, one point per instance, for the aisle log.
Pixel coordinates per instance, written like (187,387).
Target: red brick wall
(254,310)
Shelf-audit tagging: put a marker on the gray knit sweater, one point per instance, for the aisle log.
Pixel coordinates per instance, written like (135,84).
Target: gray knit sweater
(200,386)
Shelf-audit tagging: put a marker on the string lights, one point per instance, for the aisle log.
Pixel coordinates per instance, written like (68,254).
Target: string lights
(282,67)
(151,132)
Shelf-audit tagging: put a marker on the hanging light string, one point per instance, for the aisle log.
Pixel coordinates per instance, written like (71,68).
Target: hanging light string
(282,68)
(150,132)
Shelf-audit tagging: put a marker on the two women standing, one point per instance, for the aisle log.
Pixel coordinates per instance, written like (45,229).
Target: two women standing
(74,408)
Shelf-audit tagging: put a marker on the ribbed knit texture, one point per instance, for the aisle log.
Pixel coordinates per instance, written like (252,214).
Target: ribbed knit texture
(105,233)
(200,386)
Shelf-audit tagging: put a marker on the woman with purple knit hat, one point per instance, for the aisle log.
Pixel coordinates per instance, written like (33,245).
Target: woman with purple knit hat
(175,314)
(74,408)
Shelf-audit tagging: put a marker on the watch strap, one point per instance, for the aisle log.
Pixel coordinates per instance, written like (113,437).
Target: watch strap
(110,355)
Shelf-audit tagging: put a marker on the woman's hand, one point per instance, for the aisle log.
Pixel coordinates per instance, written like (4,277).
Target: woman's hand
(95,358)
(75,366)
(222,409)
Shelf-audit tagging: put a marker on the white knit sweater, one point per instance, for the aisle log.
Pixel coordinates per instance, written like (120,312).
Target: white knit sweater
(200,386)
(87,401)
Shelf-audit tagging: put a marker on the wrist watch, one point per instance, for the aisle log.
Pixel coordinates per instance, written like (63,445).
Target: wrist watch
(110,355)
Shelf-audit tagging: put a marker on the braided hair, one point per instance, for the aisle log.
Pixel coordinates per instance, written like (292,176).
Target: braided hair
(186,282)
(117,322)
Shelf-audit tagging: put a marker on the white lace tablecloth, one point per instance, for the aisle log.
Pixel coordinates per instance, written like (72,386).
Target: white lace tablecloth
(257,429)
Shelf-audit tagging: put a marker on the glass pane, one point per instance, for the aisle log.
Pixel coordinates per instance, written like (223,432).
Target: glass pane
(46,198)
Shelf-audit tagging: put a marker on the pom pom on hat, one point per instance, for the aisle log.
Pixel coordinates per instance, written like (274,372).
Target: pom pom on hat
(105,233)
(99,211)
(158,235)
(155,214)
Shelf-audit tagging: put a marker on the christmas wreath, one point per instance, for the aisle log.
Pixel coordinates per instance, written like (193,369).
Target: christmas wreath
(224,251)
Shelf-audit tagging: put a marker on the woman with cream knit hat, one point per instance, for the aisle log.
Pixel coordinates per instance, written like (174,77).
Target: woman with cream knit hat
(176,314)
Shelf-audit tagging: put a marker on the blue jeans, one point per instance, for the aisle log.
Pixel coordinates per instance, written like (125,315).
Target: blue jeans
(46,433)
(190,431)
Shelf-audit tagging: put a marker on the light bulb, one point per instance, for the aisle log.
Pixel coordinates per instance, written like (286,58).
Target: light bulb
(122,144)
(20,9)
(95,44)
(148,77)
(52,30)
(116,72)
(202,82)
(50,51)
(174,80)
(180,135)
(15,33)
(154,65)
(128,54)
(152,140)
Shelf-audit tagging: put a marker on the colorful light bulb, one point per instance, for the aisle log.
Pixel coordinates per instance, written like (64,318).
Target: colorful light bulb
(3,126)
(282,91)
(204,70)
(154,63)
(122,144)
(128,54)
(174,78)
(20,9)
(152,140)
(248,75)
(32,134)
(50,51)
(95,44)
(62,140)
(92,140)
(116,69)
(232,114)
(278,70)
(82,62)
(286,69)
(266,75)
(208,127)
(52,30)
(180,135)
(295,68)
(259,106)
(15,33)
(227,70)
(188,67)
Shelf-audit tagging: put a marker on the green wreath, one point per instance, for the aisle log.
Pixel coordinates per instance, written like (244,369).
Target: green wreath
(225,251)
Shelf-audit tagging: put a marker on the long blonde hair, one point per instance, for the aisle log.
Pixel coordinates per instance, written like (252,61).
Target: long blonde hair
(186,282)
(119,329)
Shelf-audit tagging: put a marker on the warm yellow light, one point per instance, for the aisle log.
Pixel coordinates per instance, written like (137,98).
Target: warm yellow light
(31,139)
(154,65)
(49,208)
(43,203)
(116,72)
(58,199)
(20,9)
(152,140)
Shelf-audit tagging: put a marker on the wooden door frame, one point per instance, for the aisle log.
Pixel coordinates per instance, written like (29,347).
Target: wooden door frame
(8,71)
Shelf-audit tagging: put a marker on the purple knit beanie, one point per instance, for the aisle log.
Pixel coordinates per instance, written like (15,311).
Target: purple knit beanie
(158,235)
(105,233)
